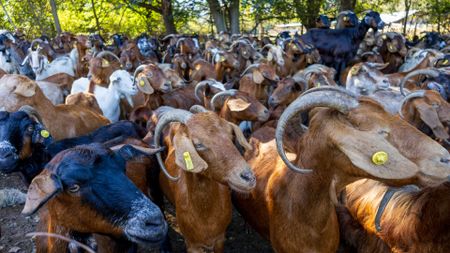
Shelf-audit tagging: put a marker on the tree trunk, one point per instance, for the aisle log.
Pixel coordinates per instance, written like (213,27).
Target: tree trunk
(7,15)
(407,7)
(216,13)
(347,5)
(167,14)
(234,17)
(97,23)
(55,16)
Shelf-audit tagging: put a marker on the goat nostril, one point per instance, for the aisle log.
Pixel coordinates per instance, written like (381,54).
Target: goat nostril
(247,176)
(266,111)
(445,160)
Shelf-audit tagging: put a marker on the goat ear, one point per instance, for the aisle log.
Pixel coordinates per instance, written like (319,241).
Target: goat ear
(257,76)
(240,138)
(26,89)
(219,58)
(372,153)
(41,190)
(237,104)
(186,156)
(145,86)
(429,115)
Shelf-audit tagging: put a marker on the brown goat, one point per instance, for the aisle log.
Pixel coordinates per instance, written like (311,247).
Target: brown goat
(153,83)
(100,69)
(340,145)
(182,65)
(82,65)
(428,112)
(412,221)
(201,151)
(63,121)
(237,106)
(297,56)
(225,65)
(392,49)
(257,81)
(202,70)
(130,57)
(84,99)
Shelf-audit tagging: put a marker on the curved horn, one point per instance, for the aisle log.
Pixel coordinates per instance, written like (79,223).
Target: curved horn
(31,112)
(200,86)
(430,72)
(197,109)
(168,36)
(219,95)
(255,65)
(179,41)
(103,53)
(412,95)
(322,97)
(35,41)
(268,45)
(173,115)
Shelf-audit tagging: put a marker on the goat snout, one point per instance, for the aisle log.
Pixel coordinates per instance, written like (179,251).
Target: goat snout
(264,115)
(128,66)
(146,224)
(272,102)
(243,181)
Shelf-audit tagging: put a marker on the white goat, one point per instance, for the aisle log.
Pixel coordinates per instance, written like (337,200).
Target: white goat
(120,84)
(5,64)
(43,69)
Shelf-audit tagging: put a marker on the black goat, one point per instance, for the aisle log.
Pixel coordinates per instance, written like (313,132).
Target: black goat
(323,22)
(26,146)
(346,19)
(338,46)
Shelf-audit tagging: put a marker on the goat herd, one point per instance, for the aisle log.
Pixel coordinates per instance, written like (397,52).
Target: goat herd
(351,155)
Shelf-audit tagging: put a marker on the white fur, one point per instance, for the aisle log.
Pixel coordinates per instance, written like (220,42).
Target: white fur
(52,92)
(8,67)
(43,69)
(121,84)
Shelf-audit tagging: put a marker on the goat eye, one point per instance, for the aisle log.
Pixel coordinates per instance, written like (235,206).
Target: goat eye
(74,188)
(30,128)
(199,147)
(383,132)
(150,74)
(435,105)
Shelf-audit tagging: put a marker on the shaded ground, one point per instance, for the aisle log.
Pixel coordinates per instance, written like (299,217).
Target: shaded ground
(240,237)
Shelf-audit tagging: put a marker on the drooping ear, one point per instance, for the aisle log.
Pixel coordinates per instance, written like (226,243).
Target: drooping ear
(257,76)
(429,115)
(26,89)
(372,153)
(186,156)
(240,138)
(144,85)
(237,104)
(129,151)
(41,190)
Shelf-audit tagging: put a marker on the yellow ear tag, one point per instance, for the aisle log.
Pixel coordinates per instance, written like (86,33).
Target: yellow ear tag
(317,84)
(384,36)
(105,63)
(45,133)
(380,158)
(445,61)
(354,71)
(188,161)
(141,83)
(346,18)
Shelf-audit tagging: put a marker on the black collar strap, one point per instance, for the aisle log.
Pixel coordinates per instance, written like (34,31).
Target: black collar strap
(385,200)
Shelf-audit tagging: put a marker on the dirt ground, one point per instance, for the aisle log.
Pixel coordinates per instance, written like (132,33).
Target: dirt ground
(14,226)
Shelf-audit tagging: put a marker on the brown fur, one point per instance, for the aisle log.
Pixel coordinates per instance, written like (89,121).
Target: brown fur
(412,221)
(100,72)
(296,211)
(84,99)
(257,83)
(202,70)
(204,196)
(63,121)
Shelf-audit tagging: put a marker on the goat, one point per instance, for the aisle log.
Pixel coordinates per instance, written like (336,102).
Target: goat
(298,55)
(323,22)
(338,46)
(91,179)
(205,90)
(392,49)
(257,81)
(100,69)
(202,70)
(317,75)
(299,200)
(237,106)
(85,99)
(225,63)
(120,84)
(346,19)
(63,121)
(201,148)
(27,145)
(423,213)
(130,57)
